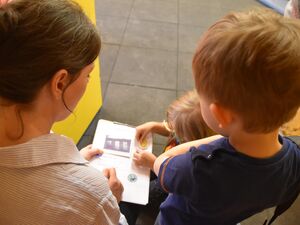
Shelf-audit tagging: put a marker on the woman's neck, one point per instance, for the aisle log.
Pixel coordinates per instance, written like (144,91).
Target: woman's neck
(20,126)
(256,145)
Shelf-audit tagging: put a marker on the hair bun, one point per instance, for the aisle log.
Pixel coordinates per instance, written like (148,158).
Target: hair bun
(8,20)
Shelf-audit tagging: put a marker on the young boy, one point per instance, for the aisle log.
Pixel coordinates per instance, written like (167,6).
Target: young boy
(247,74)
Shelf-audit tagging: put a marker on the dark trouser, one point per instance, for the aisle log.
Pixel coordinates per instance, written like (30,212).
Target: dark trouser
(130,211)
(156,197)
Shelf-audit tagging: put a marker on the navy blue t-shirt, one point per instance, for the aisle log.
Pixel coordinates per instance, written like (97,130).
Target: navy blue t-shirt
(216,185)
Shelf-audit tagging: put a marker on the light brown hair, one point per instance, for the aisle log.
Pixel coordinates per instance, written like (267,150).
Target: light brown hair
(37,39)
(185,119)
(249,63)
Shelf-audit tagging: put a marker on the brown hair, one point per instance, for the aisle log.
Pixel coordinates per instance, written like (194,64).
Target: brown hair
(249,63)
(38,38)
(185,119)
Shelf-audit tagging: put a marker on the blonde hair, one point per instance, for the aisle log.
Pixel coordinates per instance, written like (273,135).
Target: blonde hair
(249,62)
(185,119)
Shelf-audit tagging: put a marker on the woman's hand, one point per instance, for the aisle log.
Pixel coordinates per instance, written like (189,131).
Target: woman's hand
(114,183)
(88,152)
(144,158)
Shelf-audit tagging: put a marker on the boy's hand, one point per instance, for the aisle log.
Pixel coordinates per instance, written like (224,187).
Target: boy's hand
(114,183)
(143,130)
(144,158)
(88,152)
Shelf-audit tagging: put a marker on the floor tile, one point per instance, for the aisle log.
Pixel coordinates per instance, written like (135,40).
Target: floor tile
(92,127)
(157,10)
(290,217)
(160,140)
(237,5)
(112,29)
(197,14)
(158,149)
(296,139)
(185,75)
(180,93)
(151,35)
(189,36)
(136,66)
(108,56)
(135,105)
(104,85)
(84,141)
(203,3)
(113,7)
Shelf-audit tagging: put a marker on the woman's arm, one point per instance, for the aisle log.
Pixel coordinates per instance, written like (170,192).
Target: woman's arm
(181,149)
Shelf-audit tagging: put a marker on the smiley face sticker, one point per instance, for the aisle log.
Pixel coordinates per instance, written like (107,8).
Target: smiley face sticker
(143,144)
(132,177)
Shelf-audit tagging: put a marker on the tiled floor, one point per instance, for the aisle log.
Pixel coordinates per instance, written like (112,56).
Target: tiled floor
(147,48)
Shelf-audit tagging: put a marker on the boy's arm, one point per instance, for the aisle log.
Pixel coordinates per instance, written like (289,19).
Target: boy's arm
(181,149)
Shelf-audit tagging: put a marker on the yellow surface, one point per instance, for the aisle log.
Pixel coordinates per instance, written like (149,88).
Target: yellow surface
(75,125)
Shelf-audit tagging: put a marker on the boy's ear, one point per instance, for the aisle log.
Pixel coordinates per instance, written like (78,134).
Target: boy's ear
(59,82)
(223,116)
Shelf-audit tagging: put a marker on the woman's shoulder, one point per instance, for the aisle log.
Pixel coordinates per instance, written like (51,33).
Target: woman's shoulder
(84,179)
(84,188)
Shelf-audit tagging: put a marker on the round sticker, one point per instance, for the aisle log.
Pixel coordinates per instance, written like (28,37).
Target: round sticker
(132,177)
(143,144)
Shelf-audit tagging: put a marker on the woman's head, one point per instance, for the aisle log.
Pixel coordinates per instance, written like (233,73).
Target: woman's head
(38,38)
(185,119)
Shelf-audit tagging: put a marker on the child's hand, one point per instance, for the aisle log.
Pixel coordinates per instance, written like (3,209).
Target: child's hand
(144,158)
(143,130)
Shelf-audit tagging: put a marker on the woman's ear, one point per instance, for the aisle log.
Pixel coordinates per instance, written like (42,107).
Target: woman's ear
(59,82)
(223,116)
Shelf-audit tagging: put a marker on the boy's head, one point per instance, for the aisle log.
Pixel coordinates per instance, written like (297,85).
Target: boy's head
(249,63)
(184,118)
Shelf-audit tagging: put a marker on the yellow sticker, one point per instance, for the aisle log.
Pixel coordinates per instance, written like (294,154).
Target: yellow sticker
(144,143)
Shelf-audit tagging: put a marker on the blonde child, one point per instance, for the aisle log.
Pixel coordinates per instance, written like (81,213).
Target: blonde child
(184,123)
(247,75)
